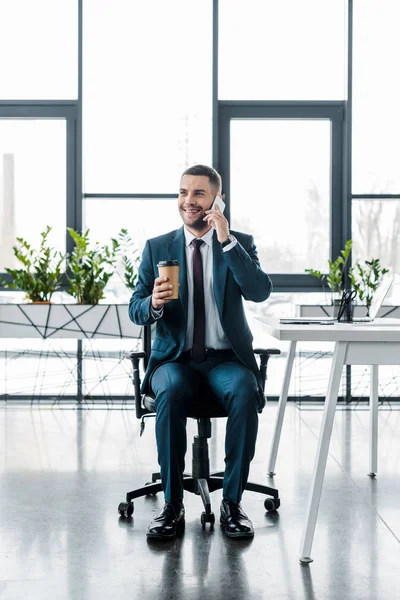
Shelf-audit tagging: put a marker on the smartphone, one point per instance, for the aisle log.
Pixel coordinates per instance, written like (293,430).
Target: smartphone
(218,202)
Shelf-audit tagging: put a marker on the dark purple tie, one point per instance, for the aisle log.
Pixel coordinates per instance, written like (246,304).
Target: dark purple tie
(199,323)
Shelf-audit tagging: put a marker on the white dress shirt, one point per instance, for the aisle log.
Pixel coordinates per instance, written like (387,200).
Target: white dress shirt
(214,334)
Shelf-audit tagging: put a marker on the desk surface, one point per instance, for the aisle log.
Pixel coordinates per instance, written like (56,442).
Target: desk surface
(380,330)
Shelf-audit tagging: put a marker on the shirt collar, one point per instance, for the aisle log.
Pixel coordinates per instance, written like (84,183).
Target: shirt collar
(207,237)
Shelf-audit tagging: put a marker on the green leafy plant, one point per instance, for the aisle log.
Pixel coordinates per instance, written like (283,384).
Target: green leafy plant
(40,275)
(128,257)
(365,278)
(89,268)
(334,278)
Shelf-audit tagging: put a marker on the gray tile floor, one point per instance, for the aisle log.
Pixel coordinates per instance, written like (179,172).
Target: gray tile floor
(64,472)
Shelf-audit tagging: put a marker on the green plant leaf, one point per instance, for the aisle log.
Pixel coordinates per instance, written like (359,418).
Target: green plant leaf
(40,275)
(335,275)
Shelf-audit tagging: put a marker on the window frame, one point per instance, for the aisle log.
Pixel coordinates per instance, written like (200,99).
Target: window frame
(332,111)
(341,225)
(68,111)
(72,112)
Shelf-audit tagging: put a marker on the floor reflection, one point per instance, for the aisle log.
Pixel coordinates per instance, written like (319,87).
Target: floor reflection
(63,474)
(204,564)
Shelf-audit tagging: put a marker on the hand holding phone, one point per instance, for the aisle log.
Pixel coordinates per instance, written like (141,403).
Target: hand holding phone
(218,222)
(218,202)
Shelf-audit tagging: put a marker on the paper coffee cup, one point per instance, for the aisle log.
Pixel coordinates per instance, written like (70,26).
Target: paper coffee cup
(170,269)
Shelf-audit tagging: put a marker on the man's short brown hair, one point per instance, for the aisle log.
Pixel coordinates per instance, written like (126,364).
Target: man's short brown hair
(213,176)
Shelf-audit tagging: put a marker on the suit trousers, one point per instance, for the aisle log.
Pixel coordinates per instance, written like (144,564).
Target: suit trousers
(235,387)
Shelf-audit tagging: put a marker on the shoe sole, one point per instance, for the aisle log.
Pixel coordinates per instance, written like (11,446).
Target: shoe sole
(167,538)
(238,535)
(160,538)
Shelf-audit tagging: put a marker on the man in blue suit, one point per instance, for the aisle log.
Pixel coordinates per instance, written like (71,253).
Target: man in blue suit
(202,335)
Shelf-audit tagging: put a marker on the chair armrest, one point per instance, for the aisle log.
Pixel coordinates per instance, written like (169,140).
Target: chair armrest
(137,355)
(266,351)
(265,354)
(135,358)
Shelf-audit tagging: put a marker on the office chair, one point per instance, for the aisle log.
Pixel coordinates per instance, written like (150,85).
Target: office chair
(205,407)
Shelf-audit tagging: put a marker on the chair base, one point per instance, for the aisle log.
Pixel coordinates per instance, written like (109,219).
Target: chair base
(203,487)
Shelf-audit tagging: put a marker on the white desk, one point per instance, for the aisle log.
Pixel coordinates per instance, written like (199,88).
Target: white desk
(374,344)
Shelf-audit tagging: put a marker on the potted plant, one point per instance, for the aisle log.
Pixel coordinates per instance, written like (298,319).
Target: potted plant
(129,259)
(89,268)
(335,277)
(365,278)
(40,274)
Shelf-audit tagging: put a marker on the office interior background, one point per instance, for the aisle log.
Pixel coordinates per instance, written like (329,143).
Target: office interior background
(302,123)
(103,104)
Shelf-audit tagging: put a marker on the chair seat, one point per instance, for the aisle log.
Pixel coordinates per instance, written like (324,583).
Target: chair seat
(204,406)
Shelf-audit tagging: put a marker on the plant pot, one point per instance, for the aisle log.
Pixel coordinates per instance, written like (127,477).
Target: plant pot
(78,321)
(326,310)
(336,306)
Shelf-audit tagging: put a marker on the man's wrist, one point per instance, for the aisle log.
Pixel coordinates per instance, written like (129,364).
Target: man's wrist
(229,239)
(156,313)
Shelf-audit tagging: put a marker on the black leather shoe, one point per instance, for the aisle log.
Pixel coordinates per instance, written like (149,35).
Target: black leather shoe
(234,520)
(170,522)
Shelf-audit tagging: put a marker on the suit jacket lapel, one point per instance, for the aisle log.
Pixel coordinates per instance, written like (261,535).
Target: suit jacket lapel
(220,271)
(176,251)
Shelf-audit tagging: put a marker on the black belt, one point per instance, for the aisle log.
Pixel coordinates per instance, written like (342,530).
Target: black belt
(212,353)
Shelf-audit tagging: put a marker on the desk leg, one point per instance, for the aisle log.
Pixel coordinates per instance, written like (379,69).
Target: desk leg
(281,408)
(373,421)
(322,451)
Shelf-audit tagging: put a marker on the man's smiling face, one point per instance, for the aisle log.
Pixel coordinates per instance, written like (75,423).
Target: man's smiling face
(196,195)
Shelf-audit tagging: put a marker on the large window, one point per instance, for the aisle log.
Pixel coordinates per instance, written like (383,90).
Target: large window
(375,135)
(140,216)
(286,50)
(143,218)
(33,178)
(38,49)
(376,97)
(280,190)
(376,230)
(104,103)
(147,81)
(146,93)
(376,234)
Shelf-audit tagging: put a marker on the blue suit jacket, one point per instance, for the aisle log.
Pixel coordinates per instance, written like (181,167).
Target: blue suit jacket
(236,274)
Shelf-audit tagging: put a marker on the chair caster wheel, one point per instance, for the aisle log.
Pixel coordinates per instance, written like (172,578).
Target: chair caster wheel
(151,494)
(125,509)
(271,504)
(207,518)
